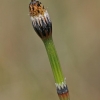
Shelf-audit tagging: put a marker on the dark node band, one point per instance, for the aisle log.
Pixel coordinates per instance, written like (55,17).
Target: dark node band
(44,30)
(62,90)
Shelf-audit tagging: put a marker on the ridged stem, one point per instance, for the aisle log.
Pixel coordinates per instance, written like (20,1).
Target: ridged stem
(56,69)
(54,61)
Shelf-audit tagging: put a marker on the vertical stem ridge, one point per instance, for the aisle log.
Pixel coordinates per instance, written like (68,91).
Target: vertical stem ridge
(61,86)
(54,61)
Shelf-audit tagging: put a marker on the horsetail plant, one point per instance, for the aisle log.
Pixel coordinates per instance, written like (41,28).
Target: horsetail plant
(43,27)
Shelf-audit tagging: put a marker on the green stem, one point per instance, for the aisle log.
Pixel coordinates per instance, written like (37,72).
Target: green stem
(54,61)
(61,86)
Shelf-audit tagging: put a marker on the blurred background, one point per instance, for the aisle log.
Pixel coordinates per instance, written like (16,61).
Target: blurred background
(25,72)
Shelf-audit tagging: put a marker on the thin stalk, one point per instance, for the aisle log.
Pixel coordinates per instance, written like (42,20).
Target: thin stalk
(54,61)
(56,69)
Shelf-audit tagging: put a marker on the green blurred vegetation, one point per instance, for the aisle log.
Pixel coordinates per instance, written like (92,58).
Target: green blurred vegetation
(25,72)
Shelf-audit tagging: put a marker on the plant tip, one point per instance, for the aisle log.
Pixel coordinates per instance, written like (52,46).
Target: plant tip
(40,19)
